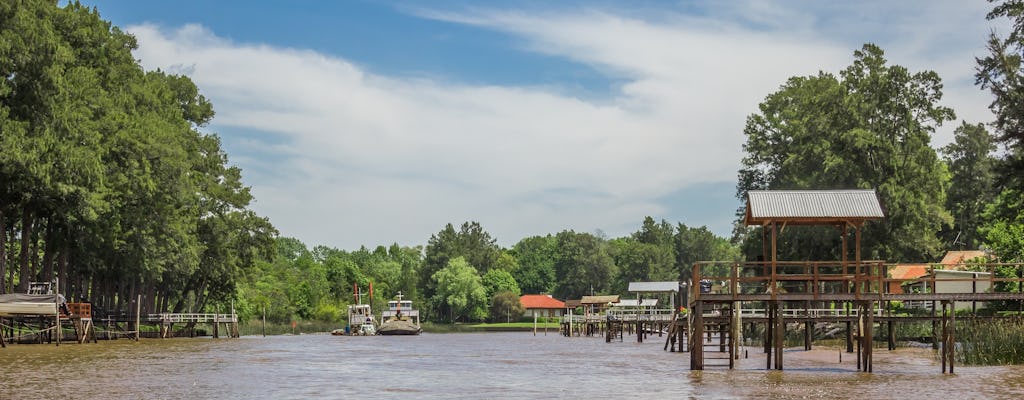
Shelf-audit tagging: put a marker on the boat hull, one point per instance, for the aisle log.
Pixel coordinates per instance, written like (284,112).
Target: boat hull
(399,327)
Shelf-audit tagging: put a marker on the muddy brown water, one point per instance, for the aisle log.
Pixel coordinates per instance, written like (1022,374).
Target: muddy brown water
(474,366)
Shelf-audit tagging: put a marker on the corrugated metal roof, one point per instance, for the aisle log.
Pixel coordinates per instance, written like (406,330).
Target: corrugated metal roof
(599,299)
(639,287)
(781,205)
(633,303)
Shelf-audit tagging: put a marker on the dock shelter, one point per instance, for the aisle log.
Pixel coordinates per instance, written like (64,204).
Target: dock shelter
(670,288)
(773,282)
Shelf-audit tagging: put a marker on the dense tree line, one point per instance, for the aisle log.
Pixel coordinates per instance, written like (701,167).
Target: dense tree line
(109,184)
(463,275)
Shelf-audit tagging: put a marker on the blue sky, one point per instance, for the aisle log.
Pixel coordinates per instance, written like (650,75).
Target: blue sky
(366,123)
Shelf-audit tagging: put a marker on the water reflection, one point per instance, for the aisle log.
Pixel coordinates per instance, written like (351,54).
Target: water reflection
(491,365)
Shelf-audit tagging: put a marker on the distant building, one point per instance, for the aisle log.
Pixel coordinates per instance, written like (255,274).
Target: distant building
(541,305)
(597,304)
(903,273)
(956,258)
(950,281)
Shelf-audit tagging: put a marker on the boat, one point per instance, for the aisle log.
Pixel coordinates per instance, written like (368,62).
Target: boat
(400,318)
(19,304)
(360,319)
(39,300)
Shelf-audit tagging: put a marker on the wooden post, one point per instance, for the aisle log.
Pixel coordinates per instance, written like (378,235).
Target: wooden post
(869,355)
(138,318)
(945,337)
(264,321)
(534,322)
(56,328)
(780,334)
(769,333)
(892,336)
(952,336)
(808,327)
(697,348)
(3,341)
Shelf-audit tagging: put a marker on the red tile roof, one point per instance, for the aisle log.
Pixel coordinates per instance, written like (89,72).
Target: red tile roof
(958,257)
(543,301)
(905,272)
(908,271)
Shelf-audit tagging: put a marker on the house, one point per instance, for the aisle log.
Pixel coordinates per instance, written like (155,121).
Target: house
(957,258)
(950,281)
(903,273)
(541,305)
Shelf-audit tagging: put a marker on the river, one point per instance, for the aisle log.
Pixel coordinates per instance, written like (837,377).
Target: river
(466,365)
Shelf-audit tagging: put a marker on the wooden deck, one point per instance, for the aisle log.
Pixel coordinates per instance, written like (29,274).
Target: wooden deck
(779,293)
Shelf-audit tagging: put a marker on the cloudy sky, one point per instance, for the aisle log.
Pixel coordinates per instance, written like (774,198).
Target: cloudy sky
(366,123)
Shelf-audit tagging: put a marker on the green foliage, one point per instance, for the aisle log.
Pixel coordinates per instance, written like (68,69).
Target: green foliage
(991,342)
(868,128)
(499,280)
(972,187)
(582,265)
(505,307)
(460,292)
(536,259)
(471,243)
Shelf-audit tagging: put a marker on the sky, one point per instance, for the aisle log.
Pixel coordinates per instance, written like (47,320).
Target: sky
(365,123)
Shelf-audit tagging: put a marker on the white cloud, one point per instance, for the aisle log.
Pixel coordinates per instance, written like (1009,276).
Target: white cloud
(370,159)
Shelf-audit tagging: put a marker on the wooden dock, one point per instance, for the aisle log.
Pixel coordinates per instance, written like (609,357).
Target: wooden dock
(781,293)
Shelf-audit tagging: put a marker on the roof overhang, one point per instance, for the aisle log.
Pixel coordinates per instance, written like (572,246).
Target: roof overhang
(812,207)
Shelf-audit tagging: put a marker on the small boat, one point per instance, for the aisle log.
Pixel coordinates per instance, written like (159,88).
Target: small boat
(400,318)
(360,321)
(360,318)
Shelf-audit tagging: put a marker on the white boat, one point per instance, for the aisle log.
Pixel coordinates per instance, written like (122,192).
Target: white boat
(400,318)
(17,304)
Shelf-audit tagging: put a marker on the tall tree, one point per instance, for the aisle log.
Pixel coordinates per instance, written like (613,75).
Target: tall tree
(536,259)
(869,128)
(1000,72)
(459,292)
(582,265)
(972,187)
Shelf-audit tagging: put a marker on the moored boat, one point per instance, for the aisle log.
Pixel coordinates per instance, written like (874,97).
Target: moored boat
(400,318)
(360,318)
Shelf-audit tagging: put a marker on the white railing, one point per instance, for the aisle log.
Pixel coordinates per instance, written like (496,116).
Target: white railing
(803,313)
(191,317)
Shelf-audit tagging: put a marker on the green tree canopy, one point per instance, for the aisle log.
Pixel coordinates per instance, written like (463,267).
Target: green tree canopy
(868,128)
(972,187)
(460,292)
(582,265)
(505,306)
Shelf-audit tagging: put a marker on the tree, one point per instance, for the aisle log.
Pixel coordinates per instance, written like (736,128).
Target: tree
(700,244)
(582,265)
(536,259)
(497,280)
(505,306)
(1000,72)
(460,292)
(870,128)
(471,243)
(972,186)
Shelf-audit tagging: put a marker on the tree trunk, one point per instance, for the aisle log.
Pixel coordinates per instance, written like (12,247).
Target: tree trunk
(48,249)
(62,272)
(3,250)
(26,241)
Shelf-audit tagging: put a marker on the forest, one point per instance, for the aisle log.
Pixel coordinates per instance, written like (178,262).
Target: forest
(112,186)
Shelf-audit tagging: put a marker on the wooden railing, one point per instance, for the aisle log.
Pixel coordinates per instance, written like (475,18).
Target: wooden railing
(836,280)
